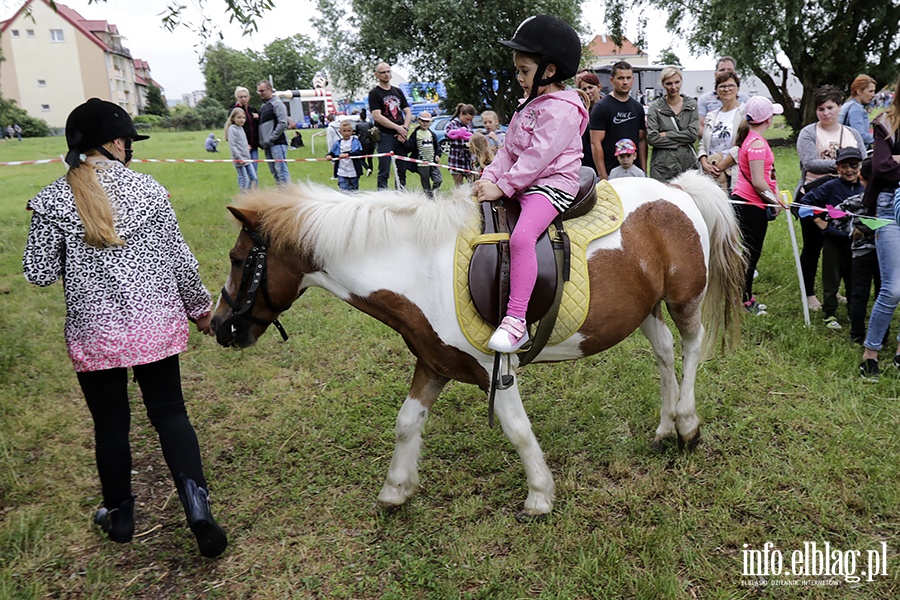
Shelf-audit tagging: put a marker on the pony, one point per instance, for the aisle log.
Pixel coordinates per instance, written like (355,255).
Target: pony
(390,254)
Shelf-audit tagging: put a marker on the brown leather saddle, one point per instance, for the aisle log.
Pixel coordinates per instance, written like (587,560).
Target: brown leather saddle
(489,265)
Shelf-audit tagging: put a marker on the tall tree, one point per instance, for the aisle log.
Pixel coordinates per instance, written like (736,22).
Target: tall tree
(225,68)
(455,43)
(155,104)
(668,57)
(822,42)
(291,62)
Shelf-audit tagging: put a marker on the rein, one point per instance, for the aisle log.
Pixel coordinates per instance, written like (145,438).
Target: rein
(253,281)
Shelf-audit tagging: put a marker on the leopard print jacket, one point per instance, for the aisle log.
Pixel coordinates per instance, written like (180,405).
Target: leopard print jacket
(125,305)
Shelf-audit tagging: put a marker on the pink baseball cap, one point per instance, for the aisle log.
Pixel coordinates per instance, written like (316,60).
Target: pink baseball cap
(760,108)
(625,146)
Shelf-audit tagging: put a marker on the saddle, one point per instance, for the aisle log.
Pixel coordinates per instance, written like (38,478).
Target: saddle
(489,265)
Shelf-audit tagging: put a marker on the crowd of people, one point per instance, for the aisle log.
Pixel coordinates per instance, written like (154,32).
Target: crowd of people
(720,133)
(132,284)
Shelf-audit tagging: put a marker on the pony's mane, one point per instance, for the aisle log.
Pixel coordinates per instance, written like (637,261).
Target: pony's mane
(328,223)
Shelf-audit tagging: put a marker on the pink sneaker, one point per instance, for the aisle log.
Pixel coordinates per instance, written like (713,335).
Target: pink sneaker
(510,336)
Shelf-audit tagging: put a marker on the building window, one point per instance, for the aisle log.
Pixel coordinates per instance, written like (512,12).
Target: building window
(42,83)
(45,107)
(29,32)
(14,32)
(56,35)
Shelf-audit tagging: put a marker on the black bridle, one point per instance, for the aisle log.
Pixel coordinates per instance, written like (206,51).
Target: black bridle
(253,280)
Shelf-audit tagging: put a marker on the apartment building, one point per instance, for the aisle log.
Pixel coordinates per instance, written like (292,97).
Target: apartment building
(55,60)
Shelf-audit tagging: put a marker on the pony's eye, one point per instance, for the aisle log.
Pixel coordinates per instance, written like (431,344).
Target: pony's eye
(237,263)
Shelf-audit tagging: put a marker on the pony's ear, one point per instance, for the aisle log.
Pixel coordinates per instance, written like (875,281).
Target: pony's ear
(248,217)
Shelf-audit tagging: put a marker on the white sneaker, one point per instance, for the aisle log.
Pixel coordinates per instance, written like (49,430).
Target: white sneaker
(813,303)
(832,323)
(510,336)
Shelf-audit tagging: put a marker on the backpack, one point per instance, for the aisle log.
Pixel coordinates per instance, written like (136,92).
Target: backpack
(364,133)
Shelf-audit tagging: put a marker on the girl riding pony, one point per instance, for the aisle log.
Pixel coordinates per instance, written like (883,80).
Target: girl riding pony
(539,164)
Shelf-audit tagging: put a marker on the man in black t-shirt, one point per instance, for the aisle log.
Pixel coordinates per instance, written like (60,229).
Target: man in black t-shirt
(615,117)
(392,115)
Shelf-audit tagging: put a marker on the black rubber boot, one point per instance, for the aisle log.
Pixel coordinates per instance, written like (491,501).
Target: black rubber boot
(210,538)
(118,523)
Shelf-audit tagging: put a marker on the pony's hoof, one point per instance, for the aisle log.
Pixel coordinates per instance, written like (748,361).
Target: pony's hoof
(690,442)
(526,516)
(661,443)
(383,508)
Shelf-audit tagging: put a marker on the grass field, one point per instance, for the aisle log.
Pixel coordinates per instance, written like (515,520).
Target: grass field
(297,437)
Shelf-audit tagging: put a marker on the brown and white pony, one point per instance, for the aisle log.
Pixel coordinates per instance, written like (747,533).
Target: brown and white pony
(391,255)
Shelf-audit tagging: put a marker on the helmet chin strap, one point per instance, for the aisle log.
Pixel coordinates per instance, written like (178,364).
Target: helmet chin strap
(128,153)
(538,81)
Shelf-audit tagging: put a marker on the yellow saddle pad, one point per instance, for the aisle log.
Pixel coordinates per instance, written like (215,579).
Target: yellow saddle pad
(605,218)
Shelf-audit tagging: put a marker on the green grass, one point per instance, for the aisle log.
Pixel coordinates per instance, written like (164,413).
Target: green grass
(297,437)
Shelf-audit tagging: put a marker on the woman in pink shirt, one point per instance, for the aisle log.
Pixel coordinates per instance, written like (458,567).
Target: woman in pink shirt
(756,187)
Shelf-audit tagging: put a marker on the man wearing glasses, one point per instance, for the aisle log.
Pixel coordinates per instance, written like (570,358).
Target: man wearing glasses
(710,101)
(392,115)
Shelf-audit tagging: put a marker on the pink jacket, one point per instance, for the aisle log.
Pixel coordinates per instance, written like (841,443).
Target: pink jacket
(543,145)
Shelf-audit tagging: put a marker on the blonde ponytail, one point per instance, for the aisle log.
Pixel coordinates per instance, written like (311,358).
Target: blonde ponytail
(93,205)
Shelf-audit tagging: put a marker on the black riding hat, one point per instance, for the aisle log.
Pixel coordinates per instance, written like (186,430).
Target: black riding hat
(551,37)
(94,123)
(555,41)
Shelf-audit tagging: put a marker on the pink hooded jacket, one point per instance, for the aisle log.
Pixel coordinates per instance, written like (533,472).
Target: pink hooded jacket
(543,145)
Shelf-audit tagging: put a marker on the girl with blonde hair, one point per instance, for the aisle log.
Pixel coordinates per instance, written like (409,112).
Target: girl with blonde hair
(482,152)
(240,149)
(131,284)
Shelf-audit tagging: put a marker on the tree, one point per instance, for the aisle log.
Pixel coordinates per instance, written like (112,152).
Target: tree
(668,57)
(211,113)
(440,41)
(184,118)
(225,68)
(829,41)
(291,62)
(246,13)
(11,114)
(155,104)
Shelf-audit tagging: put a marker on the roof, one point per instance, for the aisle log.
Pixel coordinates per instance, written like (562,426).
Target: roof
(85,26)
(603,45)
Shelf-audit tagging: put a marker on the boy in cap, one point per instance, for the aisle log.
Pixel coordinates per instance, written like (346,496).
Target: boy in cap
(836,255)
(422,145)
(626,152)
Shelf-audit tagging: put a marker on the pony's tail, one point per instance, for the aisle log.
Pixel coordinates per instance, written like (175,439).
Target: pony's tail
(721,312)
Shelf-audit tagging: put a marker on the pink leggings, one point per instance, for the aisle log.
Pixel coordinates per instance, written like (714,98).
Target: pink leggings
(537,214)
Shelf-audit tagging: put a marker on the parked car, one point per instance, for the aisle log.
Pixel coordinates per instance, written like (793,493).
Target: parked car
(439,127)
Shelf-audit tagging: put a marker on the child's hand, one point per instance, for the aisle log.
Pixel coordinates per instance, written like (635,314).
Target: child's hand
(485,191)
(345,155)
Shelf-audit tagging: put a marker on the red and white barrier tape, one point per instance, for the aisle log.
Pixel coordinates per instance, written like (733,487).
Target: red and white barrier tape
(226,160)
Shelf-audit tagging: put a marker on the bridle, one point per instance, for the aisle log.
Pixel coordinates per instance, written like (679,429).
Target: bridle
(253,280)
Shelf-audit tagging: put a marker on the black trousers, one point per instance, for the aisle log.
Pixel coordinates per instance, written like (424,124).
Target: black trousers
(389,143)
(106,393)
(864,274)
(754,225)
(835,267)
(809,255)
(431,179)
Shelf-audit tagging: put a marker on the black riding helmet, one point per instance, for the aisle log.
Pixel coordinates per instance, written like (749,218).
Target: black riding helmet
(92,124)
(555,41)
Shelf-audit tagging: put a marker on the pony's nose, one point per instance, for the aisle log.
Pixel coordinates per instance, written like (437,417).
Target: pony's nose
(224,333)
